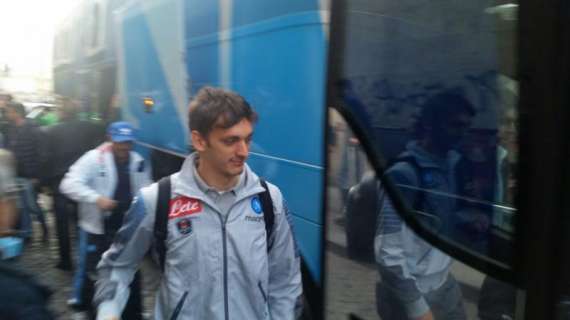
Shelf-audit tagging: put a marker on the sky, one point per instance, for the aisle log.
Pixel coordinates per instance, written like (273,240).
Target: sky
(26,30)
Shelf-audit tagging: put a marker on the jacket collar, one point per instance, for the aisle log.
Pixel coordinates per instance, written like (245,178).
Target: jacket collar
(428,160)
(205,188)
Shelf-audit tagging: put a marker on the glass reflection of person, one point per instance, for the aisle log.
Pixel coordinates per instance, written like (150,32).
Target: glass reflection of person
(416,279)
(507,155)
(484,178)
(353,166)
(497,299)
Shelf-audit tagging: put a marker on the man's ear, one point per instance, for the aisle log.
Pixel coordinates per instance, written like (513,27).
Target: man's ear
(198,141)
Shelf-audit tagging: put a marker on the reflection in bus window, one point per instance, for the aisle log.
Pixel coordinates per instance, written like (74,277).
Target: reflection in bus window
(416,274)
(353,279)
(454,169)
(386,88)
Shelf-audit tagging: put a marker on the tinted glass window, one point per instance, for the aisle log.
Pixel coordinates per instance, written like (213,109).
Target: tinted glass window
(431,92)
(360,261)
(433,87)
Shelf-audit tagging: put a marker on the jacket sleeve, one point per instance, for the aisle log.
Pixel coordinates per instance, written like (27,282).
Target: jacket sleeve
(77,182)
(390,250)
(142,171)
(119,263)
(285,287)
(146,179)
(46,152)
(37,153)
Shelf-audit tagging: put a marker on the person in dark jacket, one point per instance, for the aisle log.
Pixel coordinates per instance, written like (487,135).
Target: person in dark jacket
(5,98)
(23,140)
(26,300)
(63,144)
(498,299)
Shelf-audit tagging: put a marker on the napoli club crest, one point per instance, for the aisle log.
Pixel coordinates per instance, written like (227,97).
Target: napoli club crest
(184,226)
(256,205)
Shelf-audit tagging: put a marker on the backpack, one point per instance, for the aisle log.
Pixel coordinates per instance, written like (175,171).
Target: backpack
(361,211)
(163,205)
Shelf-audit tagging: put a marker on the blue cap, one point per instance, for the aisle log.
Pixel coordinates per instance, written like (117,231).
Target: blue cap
(121,131)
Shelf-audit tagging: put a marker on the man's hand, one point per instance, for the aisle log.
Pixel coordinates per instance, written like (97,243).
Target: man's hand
(426,316)
(106,204)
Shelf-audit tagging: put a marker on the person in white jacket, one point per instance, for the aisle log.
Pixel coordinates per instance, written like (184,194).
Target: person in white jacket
(221,262)
(103,182)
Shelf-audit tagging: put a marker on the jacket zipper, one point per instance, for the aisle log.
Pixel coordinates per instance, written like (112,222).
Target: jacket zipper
(262,292)
(225,251)
(179,306)
(226,309)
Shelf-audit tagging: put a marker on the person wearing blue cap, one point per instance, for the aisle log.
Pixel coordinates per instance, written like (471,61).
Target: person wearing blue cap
(103,182)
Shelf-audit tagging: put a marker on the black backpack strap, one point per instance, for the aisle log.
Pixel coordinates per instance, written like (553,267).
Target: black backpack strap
(268,213)
(411,160)
(161,219)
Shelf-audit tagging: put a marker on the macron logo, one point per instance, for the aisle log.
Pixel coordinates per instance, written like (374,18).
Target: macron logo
(184,206)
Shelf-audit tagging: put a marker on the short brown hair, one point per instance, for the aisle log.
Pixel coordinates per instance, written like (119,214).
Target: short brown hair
(442,105)
(218,108)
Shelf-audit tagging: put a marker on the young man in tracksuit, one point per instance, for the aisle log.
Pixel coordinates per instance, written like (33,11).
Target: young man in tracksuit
(416,280)
(220,263)
(103,182)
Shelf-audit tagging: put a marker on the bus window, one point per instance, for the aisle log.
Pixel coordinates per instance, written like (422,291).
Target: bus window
(430,91)
(353,282)
(432,88)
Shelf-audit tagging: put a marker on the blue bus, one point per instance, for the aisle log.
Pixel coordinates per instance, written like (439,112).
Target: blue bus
(150,57)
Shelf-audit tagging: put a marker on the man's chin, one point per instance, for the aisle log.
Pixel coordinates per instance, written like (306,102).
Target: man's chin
(234,172)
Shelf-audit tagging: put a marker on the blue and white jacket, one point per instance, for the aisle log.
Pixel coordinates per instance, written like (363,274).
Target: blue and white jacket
(216,267)
(410,266)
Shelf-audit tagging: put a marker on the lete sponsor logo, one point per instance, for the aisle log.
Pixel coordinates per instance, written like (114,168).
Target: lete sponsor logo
(184,206)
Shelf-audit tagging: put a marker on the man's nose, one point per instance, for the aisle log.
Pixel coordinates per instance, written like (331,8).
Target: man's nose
(242,148)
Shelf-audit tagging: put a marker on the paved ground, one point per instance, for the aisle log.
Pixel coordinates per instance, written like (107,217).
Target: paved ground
(351,284)
(39,259)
